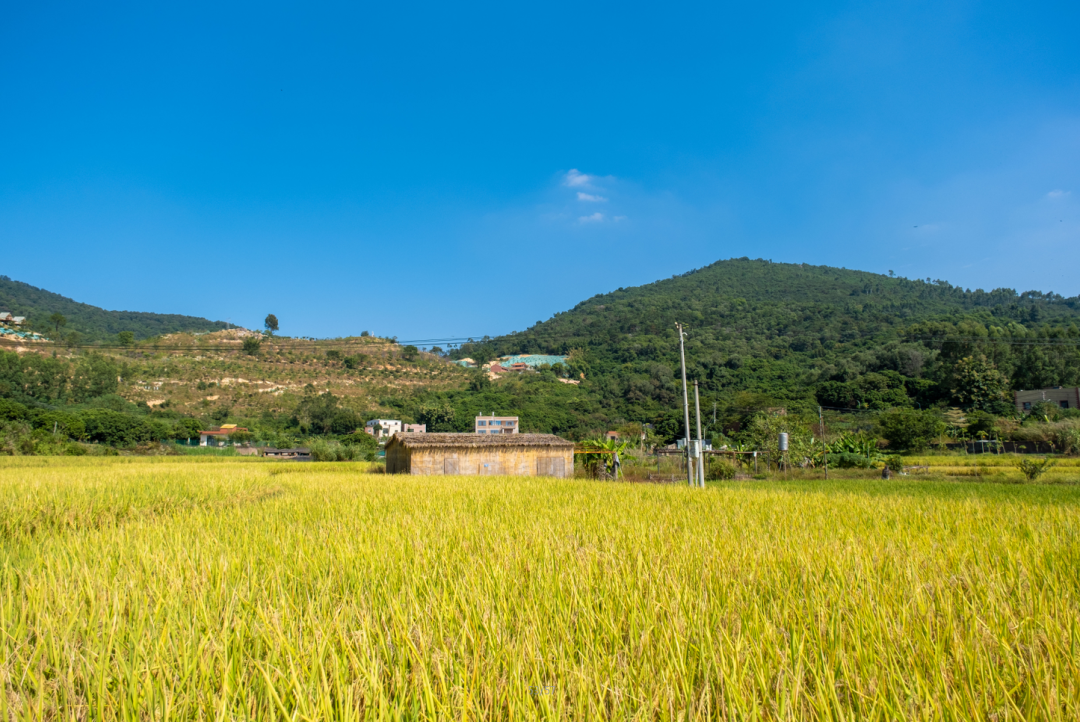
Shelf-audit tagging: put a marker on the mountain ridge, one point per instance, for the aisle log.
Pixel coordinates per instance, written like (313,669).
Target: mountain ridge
(92,323)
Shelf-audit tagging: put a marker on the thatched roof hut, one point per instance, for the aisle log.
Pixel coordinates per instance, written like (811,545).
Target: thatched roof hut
(469,454)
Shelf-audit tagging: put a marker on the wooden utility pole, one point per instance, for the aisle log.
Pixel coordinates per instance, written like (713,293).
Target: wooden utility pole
(824,448)
(700,446)
(685,404)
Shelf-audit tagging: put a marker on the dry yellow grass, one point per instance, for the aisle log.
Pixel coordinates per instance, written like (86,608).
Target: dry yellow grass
(246,590)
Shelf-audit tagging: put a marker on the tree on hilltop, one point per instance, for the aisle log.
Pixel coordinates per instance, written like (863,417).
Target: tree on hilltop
(271,324)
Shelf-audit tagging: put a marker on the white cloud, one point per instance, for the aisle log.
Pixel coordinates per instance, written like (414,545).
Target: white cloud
(619,218)
(589,198)
(594,218)
(577,179)
(1052,195)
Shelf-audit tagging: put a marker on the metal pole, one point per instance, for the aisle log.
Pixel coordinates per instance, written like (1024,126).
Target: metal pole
(824,448)
(686,405)
(700,446)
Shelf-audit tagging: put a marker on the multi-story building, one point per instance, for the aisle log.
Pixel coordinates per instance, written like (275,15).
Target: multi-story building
(380,428)
(1065,398)
(496,424)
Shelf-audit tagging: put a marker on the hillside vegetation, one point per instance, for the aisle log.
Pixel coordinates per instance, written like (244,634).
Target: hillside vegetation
(763,334)
(284,390)
(90,323)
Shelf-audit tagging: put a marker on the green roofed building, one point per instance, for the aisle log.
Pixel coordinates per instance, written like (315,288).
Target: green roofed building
(531,360)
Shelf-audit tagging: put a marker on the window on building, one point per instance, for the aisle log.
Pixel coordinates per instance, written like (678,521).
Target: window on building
(496,423)
(1064,404)
(509,423)
(1027,406)
(481,423)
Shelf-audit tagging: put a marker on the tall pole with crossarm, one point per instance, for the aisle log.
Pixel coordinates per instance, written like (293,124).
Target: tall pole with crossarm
(685,405)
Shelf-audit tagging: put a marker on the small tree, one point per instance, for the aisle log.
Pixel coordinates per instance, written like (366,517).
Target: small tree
(58,321)
(271,324)
(410,353)
(251,345)
(125,338)
(1032,469)
(977,383)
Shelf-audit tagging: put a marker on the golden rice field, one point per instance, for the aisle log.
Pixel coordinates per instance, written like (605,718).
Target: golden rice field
(227,590)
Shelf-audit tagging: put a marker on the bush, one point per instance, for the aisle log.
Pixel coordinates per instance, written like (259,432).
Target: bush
(719,470)
(1033,469)
(13,410)
(64,423)
(323,450)
(909,429)
(847,460)
(251,345)
(895,463)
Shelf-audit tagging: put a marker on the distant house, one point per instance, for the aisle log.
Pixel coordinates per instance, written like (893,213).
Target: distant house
(1067,397)
(496,369)
(473,454)
(382,427)
(297,454)
(220,435)
(496,424)
(466,362)
(414,428)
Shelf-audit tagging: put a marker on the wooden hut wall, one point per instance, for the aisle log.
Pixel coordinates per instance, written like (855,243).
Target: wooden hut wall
(466,461)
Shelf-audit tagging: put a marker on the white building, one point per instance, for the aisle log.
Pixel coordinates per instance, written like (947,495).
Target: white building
(496,424)
(380,428)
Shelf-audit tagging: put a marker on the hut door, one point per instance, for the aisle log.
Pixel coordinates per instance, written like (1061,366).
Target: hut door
(450,466)
(551,466)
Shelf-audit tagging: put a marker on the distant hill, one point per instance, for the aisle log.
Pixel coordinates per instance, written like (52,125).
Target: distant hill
(90,322)
(798,335)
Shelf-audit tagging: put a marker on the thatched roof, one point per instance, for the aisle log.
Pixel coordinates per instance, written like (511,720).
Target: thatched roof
(425,441)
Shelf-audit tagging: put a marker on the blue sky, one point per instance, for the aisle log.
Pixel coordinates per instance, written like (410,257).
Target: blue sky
(443,170)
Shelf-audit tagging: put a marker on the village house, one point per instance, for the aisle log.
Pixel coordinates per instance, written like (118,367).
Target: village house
(496,424)
(473,454)
(220,435)
(1067,397)
(380,428)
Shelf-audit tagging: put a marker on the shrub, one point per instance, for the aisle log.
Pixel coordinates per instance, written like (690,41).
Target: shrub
(1033,469)
(323,450)
(251,345)
(895,463)
(12,410)
(847,460)
(719,470)
(64,423)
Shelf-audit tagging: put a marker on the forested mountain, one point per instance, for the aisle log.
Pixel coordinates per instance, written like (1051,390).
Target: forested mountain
(768,334)
(90,323)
